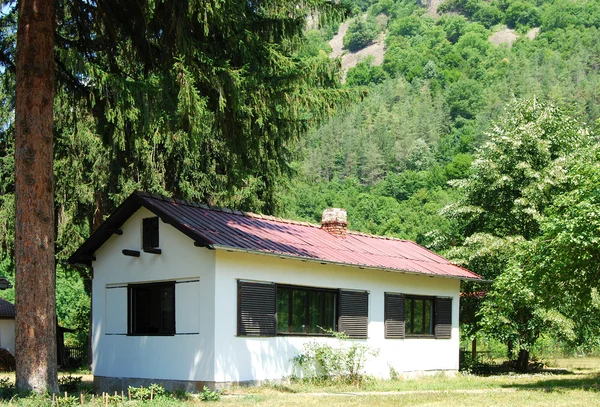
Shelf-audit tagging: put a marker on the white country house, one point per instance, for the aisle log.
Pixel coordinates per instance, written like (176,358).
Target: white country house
(186,295)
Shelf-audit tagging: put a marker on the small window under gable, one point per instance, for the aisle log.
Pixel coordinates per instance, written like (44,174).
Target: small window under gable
(150,238)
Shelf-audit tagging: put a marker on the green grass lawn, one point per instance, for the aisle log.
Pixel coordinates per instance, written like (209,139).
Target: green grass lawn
(567,382)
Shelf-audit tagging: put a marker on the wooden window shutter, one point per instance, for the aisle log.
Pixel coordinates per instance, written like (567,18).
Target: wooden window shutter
(154,231)
(256,309)
(146,233)
(443,318)
(150,232)
(354,314)
(394,315)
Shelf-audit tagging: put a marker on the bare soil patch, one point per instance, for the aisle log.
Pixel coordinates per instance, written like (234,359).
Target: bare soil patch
(432,7)
(506,36)
(531,34)
(351,59)
(337,42)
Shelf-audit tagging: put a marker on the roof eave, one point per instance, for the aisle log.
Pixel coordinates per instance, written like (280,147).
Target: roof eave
(336,263)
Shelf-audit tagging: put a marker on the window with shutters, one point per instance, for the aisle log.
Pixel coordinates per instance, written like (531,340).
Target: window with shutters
(268,309)
(413,316)
(151,309)
(150,233)
(302,310)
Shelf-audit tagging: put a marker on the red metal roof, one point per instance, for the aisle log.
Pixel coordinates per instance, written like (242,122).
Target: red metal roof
(227,229)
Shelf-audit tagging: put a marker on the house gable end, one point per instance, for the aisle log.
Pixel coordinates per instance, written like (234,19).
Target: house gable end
(84,255)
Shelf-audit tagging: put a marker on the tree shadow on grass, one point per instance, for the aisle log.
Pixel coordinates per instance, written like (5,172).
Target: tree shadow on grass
(589,382)
(485,370)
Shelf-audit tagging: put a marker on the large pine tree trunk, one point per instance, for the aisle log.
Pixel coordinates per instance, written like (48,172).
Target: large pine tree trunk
(34,182)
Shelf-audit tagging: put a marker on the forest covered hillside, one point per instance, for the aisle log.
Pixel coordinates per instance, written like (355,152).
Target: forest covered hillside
(430,105)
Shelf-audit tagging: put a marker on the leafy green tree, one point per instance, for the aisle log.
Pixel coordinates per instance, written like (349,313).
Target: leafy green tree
(416,157)
(464,98)
(387,7)
(361,32)
(513,179)
(166,101)
(565,255)
(466,7)
(408,26)
(522,15)
(365,73)
(454,26)
(488,15)
(459,167)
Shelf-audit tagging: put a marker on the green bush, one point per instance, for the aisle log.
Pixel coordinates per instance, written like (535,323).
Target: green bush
(146,393)
(7,388)
(69,383)
(464,98)
(361,33)
(344,362)
(210,395)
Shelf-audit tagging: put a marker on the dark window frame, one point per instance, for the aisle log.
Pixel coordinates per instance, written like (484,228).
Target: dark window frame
(431,300)
(307,317)
(132,298)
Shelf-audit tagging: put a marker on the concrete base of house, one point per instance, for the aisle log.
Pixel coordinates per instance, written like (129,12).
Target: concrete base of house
(118,384)
(426,373)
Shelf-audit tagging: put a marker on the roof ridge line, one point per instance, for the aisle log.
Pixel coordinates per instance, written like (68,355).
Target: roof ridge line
(358,233)
(227,210)
(263,216)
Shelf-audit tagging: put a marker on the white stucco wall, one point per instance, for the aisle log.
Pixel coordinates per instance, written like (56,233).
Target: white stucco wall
(243,358)
(188,355)
(7,335)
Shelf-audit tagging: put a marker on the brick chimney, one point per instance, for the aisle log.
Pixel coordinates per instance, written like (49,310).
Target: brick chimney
(334,221)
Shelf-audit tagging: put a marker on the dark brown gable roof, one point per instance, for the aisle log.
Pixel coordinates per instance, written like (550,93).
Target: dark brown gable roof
(234,230)
(7,309)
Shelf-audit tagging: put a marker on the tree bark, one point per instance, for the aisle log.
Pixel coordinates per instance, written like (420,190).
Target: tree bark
(522,361)
(35,302)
